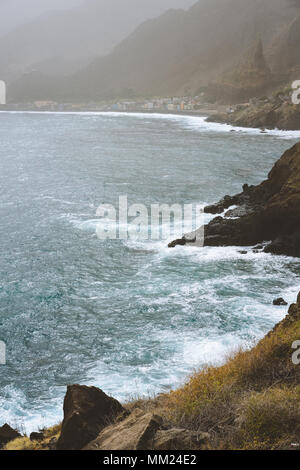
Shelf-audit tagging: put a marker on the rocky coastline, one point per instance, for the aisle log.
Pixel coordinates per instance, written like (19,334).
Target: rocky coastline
(266,217)
(251,402)
(264,115)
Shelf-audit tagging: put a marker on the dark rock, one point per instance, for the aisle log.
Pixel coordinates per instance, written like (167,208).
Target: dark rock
(285,245)
(271,212)
(280,302)
(87,411)
(259,247)
(37,436)
(179,242)
(243,252)
(8,434)
(222,205)
(239,211)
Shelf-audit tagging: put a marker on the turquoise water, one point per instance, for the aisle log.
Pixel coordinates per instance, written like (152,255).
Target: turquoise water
(131,317)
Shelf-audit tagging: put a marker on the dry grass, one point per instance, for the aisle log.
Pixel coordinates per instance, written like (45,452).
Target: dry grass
(215,399)
(269,420)
(24,443)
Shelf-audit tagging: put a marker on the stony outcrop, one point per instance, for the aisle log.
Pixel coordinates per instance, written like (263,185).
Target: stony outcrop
(87,410)
(7,434)
(262,115)
(269,212)
(280,302)
(146,431)
(136,432)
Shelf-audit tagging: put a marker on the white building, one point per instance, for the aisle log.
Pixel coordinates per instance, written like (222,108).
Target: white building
(2,92)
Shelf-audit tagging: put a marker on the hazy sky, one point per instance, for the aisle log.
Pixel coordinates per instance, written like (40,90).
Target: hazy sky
(15,12)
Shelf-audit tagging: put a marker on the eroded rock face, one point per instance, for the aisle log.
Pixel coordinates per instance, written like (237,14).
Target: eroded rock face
(136,432)
(270,212)
(7,434)
(87,410)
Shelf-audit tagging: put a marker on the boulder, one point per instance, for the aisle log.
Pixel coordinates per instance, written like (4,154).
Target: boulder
(280,302)
(7,434)
(87,411)
(180,439)
(178,242)
(36,436)
(137,432)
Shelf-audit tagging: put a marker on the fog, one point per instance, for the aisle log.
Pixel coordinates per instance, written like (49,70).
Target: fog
(62,36)
(16,12)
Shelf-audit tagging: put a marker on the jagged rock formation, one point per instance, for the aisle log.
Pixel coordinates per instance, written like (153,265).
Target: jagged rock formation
(267,212)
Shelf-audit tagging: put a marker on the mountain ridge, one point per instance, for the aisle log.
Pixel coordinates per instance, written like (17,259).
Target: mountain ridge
(177,53)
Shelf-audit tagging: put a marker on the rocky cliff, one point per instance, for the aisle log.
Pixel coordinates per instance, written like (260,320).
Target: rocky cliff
(268,213)
(263,114)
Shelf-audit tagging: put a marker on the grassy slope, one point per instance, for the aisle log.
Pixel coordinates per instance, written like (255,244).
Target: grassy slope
(252,402)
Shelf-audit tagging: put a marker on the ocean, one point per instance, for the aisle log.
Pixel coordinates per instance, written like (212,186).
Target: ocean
(129,316)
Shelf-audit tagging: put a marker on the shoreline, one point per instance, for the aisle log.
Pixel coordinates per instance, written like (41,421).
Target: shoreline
(208,118)
(100,112)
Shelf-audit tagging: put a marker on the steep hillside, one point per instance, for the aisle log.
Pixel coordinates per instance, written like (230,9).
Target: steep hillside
(75,36)
(181,51)
(284,51)
(250,77)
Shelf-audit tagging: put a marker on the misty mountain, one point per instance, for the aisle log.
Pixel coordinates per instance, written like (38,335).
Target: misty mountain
(13,13)
(182,51)
(60,42)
